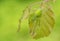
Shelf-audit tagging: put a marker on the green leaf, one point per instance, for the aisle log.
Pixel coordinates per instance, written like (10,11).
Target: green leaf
(43,25)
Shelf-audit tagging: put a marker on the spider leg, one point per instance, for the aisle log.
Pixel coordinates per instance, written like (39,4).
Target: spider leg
(24,16)
(19,25)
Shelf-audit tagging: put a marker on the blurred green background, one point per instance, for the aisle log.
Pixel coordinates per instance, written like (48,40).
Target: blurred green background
(11,11)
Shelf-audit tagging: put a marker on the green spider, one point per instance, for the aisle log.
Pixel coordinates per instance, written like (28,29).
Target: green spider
(41,19)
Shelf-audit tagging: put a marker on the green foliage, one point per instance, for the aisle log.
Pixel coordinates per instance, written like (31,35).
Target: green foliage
(11,11)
